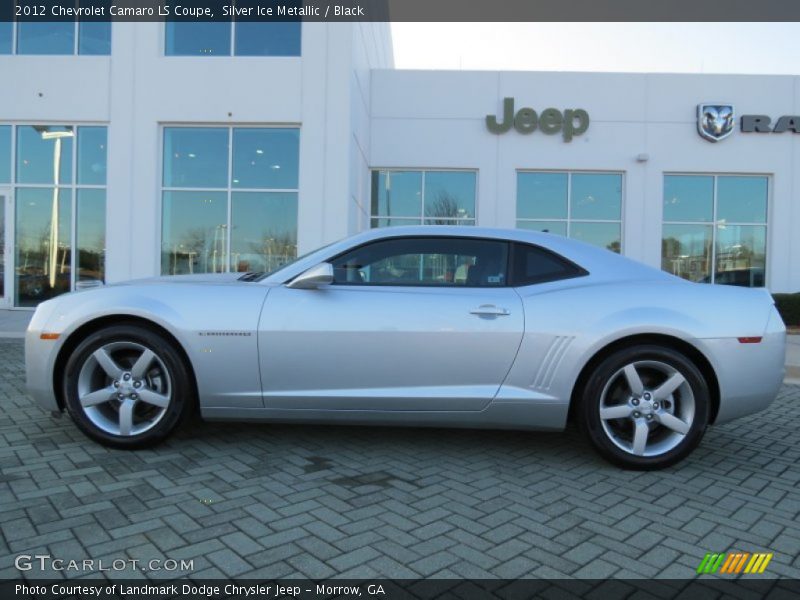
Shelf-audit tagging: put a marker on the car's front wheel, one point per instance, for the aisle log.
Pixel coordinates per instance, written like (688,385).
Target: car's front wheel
(645,407)
(127,387)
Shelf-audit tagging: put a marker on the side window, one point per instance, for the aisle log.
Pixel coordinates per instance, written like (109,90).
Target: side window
(532,264)
(445,261)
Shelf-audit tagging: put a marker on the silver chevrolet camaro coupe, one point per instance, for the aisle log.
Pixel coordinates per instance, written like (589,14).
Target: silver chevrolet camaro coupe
(423,326)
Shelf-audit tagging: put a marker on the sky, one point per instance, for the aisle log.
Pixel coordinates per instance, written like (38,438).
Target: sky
(760,48)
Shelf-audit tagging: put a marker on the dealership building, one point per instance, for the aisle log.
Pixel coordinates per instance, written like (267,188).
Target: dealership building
(138,149)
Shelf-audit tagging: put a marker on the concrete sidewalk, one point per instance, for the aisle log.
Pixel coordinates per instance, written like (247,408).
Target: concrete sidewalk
(14,322)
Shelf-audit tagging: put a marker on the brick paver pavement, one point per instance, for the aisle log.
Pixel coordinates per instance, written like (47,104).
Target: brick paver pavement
(298,501)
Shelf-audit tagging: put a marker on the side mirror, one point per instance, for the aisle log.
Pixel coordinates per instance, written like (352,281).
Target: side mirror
(313,278)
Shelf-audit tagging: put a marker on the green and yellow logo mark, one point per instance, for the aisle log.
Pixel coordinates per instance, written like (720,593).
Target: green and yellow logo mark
(734,563)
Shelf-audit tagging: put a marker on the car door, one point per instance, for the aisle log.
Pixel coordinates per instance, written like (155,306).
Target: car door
(409,324)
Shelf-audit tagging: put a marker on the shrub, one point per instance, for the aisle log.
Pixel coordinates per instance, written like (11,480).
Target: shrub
(789,307)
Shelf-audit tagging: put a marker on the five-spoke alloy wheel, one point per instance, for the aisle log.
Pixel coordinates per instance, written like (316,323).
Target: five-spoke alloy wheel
(645,407)
(127,387)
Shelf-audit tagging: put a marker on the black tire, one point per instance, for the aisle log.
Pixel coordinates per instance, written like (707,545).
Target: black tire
(181,393)
(607,375)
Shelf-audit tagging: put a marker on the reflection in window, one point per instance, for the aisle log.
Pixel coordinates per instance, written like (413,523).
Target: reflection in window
(44,154)
(449,195)
(196,157)
(584,206)
(43,244)
(92,155)
(5,153)
(715,228)
(402,197)
(242,38)
(91,235)
(265,158)
(214,220)
(194,232)
(53,251)
(263,230)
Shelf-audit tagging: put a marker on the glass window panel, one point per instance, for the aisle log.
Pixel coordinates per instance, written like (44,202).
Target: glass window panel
(92,142)
(542,195)
(397,193)
(194,232)
(459,222)
(43,244)
(689,198)
(384,222)
(686,251)
(264,230)
(596,196)
(5,153)
(605,235)
(198,39)
(267,39)
(557,227)
(742,199)
(425,261)
(6,35)
(91,234)
(196,157)
(741,255)
(266,158)
(41,150)
(43,37)
(94,38)
(450,194)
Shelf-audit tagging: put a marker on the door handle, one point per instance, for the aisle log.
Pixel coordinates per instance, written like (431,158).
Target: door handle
(490,310)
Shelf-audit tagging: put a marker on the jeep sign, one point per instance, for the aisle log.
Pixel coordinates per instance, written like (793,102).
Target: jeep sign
(571,122)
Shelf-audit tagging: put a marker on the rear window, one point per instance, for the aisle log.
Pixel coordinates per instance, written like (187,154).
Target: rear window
(532,264)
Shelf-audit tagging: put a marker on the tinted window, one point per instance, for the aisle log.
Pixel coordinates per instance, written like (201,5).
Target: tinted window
(425,262)
(536,265)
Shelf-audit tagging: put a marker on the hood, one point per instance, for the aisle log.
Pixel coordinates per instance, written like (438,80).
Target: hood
(194,278)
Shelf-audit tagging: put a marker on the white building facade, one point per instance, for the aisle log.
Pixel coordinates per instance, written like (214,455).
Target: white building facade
(144,149)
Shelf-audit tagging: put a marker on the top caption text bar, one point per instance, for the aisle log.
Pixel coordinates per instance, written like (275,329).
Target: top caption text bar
(399,10)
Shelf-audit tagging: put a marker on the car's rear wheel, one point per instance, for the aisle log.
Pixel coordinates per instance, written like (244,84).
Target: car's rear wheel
(645,407)
(127,387)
